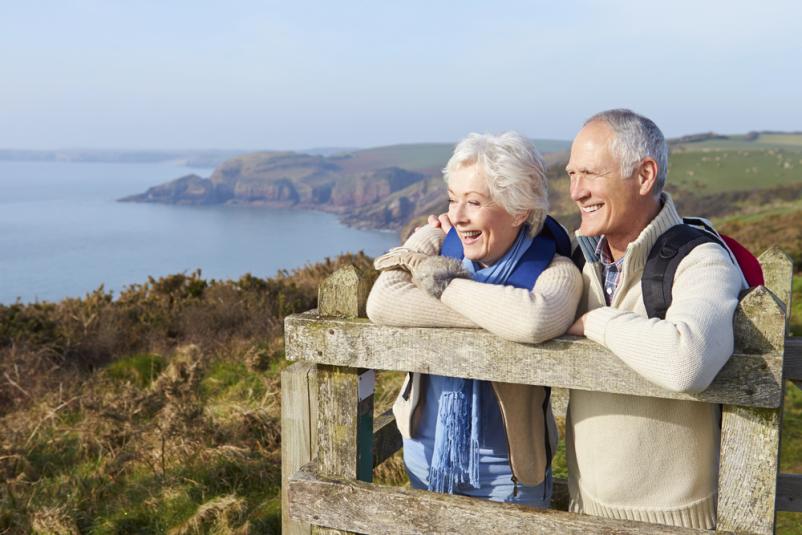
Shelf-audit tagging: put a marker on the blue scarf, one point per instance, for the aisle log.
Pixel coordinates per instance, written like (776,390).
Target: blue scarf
(455,459)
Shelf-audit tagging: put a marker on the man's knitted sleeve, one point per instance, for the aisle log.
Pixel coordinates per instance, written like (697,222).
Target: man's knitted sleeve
(686,350)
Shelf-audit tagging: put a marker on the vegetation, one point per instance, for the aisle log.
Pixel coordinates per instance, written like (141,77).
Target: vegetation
(156,412)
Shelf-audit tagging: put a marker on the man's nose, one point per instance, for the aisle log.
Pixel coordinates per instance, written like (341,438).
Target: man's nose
(578,189)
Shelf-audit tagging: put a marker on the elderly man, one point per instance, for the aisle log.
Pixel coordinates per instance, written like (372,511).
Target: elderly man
(647,459)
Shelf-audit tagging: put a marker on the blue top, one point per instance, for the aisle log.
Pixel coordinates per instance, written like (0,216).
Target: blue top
(495,473)
(460,441)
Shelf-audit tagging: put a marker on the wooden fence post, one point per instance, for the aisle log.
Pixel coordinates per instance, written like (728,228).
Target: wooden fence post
(345,395)
(750,437)
(298,432)
(778,272)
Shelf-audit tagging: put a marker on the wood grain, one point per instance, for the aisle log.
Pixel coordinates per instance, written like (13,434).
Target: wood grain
(750,436)
(298,434)
(386,438)
(365,508)
(345,292)
(567,362)
(778,271)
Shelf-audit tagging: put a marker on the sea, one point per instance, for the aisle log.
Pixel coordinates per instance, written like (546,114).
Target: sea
(63,234)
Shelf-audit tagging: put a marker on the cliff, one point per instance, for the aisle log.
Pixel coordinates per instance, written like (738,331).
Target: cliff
(382,187)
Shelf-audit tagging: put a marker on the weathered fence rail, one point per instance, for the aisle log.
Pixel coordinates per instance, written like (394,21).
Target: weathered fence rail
(331,440)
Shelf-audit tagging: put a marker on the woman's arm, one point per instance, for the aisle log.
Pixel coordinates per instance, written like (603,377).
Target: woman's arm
(395,300)
(517,314)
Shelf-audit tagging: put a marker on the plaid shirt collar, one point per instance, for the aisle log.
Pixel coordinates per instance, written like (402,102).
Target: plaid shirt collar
(611,269)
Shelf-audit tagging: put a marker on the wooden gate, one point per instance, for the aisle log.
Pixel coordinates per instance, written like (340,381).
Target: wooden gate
(331,440)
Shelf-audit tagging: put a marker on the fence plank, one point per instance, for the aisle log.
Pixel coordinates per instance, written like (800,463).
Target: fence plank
(750,437)
(789,493)
(345,292)
(345,424)
(366,508)
(778,272)
(298,432)
(792,362)
(386,438)
(567,362)
(345,395)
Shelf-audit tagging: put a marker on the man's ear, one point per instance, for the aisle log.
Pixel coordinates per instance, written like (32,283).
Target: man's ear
(647,176)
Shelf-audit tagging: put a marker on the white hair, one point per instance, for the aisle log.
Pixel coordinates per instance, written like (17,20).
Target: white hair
(636,137)
(514,171)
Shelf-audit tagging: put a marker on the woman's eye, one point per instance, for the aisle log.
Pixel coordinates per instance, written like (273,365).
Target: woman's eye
(473,203)
(451,201)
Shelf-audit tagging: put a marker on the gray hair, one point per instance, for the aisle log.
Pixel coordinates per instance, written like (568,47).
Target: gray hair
(514,171)
(636,138)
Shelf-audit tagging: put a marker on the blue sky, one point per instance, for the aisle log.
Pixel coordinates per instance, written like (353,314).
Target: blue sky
(291,75)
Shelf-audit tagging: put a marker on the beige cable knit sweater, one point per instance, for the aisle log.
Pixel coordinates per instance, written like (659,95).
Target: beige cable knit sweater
(649,459)
(512,313)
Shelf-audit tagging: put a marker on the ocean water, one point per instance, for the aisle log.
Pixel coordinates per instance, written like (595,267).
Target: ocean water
(62,234)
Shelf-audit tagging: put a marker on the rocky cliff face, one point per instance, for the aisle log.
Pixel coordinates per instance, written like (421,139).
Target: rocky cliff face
(189,189)
(308,181)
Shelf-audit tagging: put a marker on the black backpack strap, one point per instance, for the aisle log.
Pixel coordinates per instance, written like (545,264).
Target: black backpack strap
(578,257)
(661,266)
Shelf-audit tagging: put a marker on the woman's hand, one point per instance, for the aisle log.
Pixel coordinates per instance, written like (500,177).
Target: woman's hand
(399,258)
(434,274)
(578,328)
(440,221)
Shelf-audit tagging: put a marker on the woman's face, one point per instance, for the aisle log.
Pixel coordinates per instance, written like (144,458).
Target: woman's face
(486,229)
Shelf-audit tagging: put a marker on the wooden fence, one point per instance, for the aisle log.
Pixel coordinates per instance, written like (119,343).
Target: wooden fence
(331,440)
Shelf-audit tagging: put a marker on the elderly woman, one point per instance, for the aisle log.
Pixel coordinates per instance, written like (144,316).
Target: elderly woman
(503,267)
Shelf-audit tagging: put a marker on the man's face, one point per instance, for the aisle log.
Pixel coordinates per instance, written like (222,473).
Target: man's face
(608,202)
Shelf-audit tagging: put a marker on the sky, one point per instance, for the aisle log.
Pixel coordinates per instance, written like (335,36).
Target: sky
(155,74)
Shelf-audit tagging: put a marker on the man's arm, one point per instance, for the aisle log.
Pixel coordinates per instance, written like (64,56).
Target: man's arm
(686,350)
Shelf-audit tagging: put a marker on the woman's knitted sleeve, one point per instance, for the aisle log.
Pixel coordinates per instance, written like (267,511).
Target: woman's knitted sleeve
(521,315)
(395,300)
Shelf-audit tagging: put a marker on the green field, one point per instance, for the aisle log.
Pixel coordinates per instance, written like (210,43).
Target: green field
(713,171)
(744,142)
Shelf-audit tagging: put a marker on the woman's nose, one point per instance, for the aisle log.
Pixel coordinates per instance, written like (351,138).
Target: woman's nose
(456,212)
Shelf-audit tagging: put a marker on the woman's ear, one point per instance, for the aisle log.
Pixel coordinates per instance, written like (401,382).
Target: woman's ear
(520,219)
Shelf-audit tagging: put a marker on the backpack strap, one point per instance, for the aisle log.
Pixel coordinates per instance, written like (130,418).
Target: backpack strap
(578,257)
(661,265)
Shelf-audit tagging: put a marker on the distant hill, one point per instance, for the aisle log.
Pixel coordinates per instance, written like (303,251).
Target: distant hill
(191,158)
(382,187)
(396,186)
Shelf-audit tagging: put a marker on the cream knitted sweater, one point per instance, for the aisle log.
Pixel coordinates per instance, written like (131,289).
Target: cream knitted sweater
(650,459)
(512,313)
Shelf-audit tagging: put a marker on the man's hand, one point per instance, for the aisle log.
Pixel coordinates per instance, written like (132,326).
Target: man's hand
(578,328)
